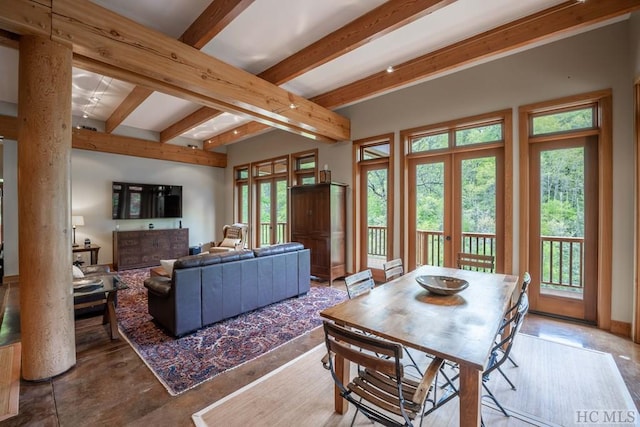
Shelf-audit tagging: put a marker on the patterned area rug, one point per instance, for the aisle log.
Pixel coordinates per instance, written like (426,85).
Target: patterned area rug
(182,363)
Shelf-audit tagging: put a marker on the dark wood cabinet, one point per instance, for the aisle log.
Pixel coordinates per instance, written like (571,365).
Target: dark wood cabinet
(145,248)
(319,221)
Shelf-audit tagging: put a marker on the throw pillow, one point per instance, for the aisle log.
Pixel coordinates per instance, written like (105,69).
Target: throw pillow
(167,264)
(229,243)
(77,273)
(233,233)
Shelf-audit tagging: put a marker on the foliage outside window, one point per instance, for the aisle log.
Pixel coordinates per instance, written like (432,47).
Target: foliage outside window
(479,134)
(436,141)
(305,167)
(458,135)
(564,121)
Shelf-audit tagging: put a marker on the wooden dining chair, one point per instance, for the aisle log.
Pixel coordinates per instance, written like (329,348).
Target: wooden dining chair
(526,281)
(476,262)
(359,283)
(393,269)
(379,390)
(500,353)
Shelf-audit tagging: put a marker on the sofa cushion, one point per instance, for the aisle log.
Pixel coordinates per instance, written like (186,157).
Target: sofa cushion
(158,285)
(210,259)
(278,249)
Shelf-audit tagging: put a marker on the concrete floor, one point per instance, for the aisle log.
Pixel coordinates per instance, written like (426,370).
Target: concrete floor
(110,385)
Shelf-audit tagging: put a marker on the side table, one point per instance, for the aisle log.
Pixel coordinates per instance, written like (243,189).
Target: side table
(90,248)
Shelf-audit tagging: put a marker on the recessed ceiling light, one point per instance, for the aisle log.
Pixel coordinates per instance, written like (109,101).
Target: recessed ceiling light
(292,106)
(85,116)
(235,132)
(390,69)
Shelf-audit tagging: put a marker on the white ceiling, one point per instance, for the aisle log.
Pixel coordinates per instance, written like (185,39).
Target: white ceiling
(264,34)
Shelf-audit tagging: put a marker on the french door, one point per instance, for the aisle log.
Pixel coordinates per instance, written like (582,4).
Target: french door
(456,204)
(563,227)
(374,216)
(272,211)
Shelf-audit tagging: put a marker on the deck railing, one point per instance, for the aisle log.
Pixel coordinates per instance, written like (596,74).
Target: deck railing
(562,263)
(430,246)
(377,240)
(265,233)
(562,257)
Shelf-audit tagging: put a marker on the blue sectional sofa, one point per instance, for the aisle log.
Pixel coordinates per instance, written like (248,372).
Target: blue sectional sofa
(205,289)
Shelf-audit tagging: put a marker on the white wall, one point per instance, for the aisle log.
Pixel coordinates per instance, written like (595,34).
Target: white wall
(92,174)
(587,62)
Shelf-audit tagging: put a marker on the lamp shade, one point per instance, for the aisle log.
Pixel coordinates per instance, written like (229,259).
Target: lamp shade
(77,220)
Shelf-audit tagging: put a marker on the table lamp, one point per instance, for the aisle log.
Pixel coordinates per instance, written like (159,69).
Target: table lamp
(76,220)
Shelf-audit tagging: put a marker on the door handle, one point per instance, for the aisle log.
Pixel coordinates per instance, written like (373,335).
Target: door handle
(447,238)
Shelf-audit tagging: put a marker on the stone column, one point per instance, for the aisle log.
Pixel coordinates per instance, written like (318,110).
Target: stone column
(44,187)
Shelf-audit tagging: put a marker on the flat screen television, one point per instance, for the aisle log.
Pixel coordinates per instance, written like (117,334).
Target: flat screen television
(146,201)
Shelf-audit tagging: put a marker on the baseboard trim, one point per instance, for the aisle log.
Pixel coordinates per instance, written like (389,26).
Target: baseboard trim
(621,328)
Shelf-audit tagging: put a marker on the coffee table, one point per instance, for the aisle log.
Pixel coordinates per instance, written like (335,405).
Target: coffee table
(106,285)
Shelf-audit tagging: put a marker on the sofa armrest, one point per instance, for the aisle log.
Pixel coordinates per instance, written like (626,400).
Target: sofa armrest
(159,285)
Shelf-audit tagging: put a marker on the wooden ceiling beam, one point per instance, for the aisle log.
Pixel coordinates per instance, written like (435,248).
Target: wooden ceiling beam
(111,39)
(116,144)
(377,22)
(109,143)
(193,120)
(9,39)
(126,107)
(385,18)
(567,16)
(25,17)
(234,135)
(206,26)
(212,21)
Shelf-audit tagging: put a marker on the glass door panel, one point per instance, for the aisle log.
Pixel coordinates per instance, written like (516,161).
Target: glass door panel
(280,215)
(563,234)
(478,210)
(272,215)
(264,214)
(428,205)
(376,213)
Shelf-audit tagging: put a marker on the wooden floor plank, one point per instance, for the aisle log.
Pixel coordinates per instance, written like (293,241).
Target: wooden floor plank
(9,380)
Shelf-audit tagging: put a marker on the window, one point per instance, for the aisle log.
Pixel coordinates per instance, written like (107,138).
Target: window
(373,201)
(455,188)
(564,120)
(241,174)
(457,135)
(261,194)
(305,167)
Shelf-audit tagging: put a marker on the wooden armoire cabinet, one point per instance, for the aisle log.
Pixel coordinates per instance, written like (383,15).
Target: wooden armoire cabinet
(319,221)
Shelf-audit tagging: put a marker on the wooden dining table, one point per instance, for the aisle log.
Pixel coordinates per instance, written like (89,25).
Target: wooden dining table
(460,328)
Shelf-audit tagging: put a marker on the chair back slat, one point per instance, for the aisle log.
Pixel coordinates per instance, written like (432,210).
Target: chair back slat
(479,262)
(359,283)
(380,382)
(393,269)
